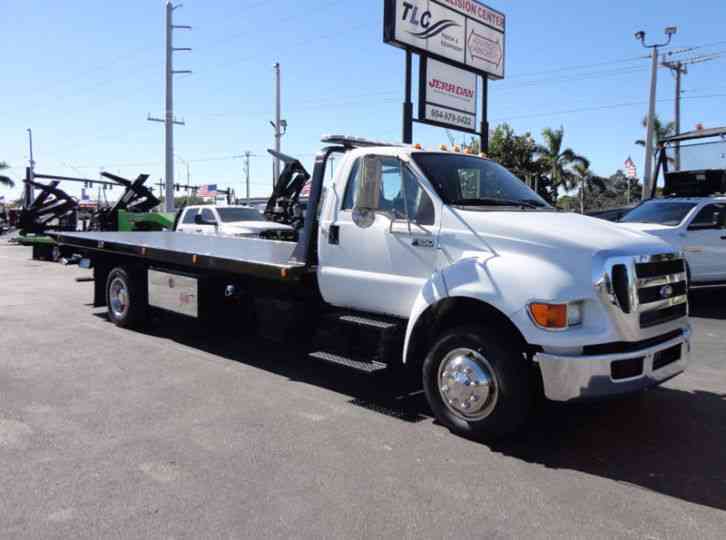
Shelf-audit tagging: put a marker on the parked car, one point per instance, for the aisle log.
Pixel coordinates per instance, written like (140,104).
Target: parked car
(694,225)
(242,221)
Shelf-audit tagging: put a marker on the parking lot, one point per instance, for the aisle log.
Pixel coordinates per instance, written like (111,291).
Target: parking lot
(179,433)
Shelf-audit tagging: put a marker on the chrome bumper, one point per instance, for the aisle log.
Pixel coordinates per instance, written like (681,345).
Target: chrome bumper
(568,378)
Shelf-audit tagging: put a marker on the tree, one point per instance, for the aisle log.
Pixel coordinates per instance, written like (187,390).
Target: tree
(558,161)
(517,154)
(660,130)
(588,182)
(5,180)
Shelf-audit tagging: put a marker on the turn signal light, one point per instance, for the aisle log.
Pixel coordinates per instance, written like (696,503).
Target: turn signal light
(553,316)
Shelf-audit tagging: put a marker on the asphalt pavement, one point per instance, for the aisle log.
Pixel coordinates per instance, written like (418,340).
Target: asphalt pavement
(176,433)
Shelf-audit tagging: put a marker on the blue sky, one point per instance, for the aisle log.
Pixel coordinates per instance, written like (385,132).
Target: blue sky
(85,74)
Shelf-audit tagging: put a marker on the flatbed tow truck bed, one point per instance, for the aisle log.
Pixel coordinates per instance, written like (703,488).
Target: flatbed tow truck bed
(244,256)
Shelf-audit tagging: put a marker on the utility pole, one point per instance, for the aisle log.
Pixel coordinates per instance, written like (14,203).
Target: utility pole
(279,125)
(248,154)
(169,121)
(679,69)
(650,134)
(29,190)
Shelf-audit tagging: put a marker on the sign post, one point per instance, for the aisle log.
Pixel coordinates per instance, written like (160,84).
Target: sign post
(457,41)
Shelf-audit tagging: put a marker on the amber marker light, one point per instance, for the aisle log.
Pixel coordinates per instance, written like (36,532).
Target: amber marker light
(550,316)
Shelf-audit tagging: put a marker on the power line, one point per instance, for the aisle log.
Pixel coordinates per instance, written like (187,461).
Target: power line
(601,108)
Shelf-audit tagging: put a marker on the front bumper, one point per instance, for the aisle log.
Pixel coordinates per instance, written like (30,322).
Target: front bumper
(568,378)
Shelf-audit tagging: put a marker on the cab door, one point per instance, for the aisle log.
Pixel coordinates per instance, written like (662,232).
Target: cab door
(186,223)
(380,268)
(705,244)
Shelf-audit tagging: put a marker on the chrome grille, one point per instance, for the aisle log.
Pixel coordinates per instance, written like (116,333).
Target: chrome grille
(644,292)
(662,290)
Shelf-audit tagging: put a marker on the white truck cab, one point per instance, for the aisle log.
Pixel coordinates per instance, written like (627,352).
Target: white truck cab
(240,221)
(694,225)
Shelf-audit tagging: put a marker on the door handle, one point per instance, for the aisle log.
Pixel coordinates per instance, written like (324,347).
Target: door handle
(334,235)
(420,242)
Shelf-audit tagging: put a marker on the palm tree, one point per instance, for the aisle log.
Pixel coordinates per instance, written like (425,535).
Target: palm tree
(556,161)
(660,130)
(4,180)
(587,181)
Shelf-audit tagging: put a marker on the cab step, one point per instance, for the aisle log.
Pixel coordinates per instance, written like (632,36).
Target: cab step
(359,365)
(362,337)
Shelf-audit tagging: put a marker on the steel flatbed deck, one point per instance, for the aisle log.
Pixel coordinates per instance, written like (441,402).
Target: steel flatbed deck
(244,256)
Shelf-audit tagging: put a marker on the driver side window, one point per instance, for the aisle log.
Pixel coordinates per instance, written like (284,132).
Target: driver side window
(401,195)
(708,214)
(208,215)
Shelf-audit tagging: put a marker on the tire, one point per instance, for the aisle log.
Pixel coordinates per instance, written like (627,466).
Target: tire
(126,298)
(474,353)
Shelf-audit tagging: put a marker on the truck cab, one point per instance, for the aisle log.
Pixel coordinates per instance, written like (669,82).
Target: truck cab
(441,266)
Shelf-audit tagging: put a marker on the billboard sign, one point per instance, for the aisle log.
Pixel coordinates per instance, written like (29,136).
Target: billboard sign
(464,32)
(447,95)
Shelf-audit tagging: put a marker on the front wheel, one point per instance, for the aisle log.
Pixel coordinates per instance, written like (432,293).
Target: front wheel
(478,383)
(126,299)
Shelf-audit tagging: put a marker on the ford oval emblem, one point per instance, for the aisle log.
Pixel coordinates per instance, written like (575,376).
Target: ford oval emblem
(666,291)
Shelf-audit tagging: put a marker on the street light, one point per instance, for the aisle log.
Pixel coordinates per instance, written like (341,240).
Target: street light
(670,31)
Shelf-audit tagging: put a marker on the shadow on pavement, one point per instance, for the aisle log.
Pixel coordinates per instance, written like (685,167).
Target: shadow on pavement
(669,441)
(708,303)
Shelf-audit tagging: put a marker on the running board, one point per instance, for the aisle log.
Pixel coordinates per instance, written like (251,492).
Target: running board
(367,367)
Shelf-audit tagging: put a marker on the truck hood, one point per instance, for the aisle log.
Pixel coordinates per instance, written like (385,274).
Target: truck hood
(567,233)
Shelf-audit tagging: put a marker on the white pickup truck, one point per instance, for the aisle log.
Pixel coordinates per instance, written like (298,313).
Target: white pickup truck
(440,265)
(694,225)
(239,220)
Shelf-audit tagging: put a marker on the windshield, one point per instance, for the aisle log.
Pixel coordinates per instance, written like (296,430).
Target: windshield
(659,212)
(472,181)
(229,215)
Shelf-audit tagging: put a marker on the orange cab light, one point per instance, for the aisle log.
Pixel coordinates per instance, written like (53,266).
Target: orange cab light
(443,148)
(457,148)
(549,315)
(418,146)
(483,155)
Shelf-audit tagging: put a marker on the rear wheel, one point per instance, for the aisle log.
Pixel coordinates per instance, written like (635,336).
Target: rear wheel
(126,298)
(478,383)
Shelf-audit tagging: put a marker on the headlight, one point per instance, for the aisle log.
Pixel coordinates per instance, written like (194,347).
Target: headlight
(556,316)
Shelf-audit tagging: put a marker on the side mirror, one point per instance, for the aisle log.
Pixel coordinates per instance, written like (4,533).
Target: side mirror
(369,192)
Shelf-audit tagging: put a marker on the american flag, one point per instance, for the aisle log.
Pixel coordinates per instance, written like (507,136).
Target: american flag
(207,191)
(306,189)
(630,169)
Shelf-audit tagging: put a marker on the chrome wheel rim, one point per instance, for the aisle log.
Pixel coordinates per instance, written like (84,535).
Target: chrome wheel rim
(467,384)
(119,298)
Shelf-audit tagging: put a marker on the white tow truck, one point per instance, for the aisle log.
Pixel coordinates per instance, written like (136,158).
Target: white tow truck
(440,265)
